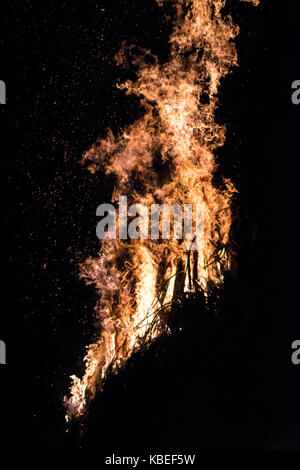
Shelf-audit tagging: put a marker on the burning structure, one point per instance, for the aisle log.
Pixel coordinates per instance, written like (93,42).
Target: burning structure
(165,157)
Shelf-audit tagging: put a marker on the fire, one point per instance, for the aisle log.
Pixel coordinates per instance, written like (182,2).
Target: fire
(138,280)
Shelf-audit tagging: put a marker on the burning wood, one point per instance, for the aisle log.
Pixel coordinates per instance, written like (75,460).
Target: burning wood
(138,280)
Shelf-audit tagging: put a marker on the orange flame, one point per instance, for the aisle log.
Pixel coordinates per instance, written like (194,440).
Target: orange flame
(136,279)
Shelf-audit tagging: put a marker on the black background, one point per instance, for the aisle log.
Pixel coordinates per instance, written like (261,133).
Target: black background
(226,384)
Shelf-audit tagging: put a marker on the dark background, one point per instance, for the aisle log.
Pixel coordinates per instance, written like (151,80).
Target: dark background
(226,382)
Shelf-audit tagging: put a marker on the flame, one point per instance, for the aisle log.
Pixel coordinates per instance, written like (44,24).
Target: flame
(138,279)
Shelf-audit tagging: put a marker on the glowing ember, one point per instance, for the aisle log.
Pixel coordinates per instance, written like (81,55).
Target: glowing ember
(138,279)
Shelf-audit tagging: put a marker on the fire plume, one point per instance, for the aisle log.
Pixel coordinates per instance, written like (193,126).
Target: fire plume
(138,279)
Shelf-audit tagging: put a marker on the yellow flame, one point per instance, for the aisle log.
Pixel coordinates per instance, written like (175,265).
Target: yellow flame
(136,278)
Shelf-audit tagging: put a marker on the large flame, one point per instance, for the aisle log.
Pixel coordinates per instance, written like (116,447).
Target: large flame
(138,279)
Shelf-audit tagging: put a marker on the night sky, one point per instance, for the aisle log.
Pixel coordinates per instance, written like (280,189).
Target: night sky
(228,381)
